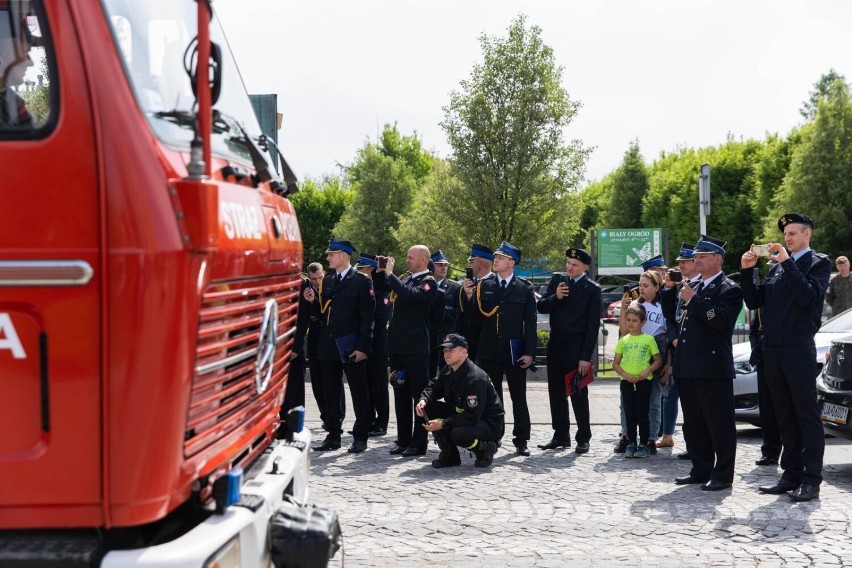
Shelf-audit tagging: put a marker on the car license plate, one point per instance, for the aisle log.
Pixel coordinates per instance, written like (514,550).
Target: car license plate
(834,413)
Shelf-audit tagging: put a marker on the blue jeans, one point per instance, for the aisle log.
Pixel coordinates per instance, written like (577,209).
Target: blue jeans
(670,408)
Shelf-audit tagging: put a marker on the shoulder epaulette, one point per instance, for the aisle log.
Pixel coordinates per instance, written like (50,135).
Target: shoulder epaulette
(524,280)
(821,255)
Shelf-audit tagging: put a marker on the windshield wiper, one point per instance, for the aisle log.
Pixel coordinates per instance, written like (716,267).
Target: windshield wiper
(187,119)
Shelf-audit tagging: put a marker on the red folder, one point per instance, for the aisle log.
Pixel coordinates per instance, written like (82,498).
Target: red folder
(574,381)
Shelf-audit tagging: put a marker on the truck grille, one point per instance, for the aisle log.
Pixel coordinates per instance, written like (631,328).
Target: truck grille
(225,401)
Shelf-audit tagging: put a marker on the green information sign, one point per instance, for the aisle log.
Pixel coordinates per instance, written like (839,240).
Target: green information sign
(622,251)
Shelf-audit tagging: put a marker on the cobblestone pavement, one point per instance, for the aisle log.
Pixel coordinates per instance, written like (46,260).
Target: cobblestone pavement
(561,509)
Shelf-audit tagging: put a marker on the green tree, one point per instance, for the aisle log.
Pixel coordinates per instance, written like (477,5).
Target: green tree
(819,182)
(385,176)
(822,91)
(630,185)
(319,206)
(594,202)
(506,128)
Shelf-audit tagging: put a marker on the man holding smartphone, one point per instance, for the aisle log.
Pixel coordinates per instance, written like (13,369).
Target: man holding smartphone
(573,301)
(479,264)
(791,298)
(408,345)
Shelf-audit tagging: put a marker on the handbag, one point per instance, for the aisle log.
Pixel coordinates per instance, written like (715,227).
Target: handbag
(304,537)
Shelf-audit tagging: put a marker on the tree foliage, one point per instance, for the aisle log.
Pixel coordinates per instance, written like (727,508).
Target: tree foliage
(819,182)
(506,128)
(630,185)
(385,177)
(319,206)
(822,90)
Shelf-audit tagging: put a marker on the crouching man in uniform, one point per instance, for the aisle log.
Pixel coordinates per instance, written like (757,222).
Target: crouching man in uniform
(471,415)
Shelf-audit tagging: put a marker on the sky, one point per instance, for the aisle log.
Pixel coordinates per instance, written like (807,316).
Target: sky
(668,73)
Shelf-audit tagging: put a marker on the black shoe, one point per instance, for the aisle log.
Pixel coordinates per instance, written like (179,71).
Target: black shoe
(690,479)
(350,432)
(396,450)
(805,492)
(499,443)
(330,443)
(621,447)
(767,460)
(377,432)
(521,449)
(716,485)
(412,451)
(485,454)
(357,447)
(582,448)
(652,448)
(554,443)
(783,486)
(684,456)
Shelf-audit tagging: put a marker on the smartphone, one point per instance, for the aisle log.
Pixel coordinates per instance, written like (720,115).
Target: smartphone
(760,250)
(468,273)
(383,262)
(676,275)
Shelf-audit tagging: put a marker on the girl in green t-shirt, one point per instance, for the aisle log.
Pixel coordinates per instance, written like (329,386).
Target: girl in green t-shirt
(636,358)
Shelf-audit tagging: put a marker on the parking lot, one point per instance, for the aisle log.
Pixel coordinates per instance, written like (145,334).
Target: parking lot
(561,509)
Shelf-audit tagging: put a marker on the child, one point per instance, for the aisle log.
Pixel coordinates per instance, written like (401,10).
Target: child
(636,358)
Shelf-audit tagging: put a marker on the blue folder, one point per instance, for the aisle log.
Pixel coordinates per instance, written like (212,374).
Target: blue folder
(346,345)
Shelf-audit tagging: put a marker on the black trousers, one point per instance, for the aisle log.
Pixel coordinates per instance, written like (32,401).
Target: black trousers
(377,382)
(409,427)
(636,399)
(295,394)
(516,377)
(768,419)
(469,435)
(791,375)
(563,356)
(356,376)
(318,389)
(709,426)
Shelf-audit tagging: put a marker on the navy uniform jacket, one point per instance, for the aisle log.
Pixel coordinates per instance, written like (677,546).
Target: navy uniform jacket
(578,313)
(470,392)
(303,319)
(450,312)
(383,310)
(512,316)
(791,296)
(345,307)
(467,325)
(704,343)
(408,333)
(436,312)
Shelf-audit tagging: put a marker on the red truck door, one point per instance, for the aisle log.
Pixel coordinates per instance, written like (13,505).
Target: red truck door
(51,273)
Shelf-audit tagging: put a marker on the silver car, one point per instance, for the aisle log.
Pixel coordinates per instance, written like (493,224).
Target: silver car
(746,408)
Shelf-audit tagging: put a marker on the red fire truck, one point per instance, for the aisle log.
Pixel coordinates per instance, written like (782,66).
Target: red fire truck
(149,274)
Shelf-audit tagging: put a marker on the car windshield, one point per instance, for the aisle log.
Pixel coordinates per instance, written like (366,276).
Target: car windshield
(839,323)
(152,38)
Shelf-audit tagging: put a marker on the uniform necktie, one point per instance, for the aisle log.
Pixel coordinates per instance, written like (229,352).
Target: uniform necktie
(503,284)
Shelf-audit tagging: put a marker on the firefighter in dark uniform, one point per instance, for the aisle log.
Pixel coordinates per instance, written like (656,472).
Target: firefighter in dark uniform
(505,308)
(377,362)
(770,431)
(408,346)
(444,314)
(704,367)
(479,264)
(315,275)
(791,298)
(295,394)
(346,305)
(573,301)
(471,414)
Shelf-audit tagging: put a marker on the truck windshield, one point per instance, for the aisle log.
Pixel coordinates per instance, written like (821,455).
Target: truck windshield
(152,38)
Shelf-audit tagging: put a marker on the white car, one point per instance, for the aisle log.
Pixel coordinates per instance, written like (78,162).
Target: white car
(746,408)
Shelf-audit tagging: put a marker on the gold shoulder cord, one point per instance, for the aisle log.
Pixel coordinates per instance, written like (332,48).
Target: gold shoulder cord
(326,307)
(461,300)
(493,312)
